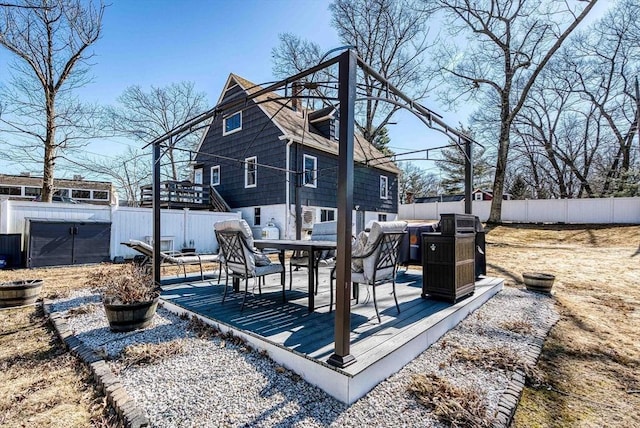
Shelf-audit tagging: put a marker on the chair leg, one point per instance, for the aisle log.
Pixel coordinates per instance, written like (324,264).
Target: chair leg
(316,269)
(219,271)
(356,291)
(394,296)
(331,291)
(375,303)
(246,291)
(290,277)
(184,269)
(284,295)
(201,272)
(260,282)
(226,285)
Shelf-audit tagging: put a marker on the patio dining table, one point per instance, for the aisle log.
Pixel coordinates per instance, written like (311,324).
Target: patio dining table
(298,245)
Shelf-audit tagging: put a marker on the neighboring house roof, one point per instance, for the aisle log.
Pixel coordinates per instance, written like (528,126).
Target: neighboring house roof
(440,198)
(27,180)
(294,127)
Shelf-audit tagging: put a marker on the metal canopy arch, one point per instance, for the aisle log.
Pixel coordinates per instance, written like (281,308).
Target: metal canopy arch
(348,62)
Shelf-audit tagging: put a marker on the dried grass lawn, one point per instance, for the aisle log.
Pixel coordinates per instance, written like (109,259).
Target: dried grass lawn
(591,359)
(590,362)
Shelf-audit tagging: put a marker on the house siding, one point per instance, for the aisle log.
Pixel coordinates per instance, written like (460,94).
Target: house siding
(258,137)
(366,190)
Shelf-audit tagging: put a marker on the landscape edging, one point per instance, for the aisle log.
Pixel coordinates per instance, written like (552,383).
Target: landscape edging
(510,398)
(128,411)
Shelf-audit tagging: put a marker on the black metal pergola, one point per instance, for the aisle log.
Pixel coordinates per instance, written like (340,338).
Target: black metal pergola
(348,63)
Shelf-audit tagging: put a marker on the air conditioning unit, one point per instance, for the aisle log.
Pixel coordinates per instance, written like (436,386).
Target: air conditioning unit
(308,218)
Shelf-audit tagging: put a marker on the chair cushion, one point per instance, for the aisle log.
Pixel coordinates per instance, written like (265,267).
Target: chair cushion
(262,260)
(236,225)
(358,250)
(266,270)
(377,229)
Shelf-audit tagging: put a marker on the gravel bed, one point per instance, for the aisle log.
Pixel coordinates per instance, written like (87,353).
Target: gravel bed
(214,382)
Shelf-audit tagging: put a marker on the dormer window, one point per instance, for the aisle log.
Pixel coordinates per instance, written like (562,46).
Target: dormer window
(232,123)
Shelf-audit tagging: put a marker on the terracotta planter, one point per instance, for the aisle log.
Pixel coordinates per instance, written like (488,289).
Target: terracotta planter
(539,282)
(132,316)
(20,293)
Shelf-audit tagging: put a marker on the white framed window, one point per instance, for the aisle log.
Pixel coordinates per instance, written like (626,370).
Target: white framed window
(257,216)
(251,172)
(80,194)
(232,123)
(215,175)
(327,215)
(477,196)
(100,195)
(310,176)
(384,187)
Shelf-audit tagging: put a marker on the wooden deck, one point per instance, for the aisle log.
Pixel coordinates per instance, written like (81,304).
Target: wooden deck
(303,341)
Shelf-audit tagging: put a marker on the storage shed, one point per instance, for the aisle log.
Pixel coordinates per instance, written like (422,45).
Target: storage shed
(55,242)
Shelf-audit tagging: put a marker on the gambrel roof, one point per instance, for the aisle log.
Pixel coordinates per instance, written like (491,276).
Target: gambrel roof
(294,126)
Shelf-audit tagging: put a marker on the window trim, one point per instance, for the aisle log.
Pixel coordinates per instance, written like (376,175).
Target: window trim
(254,161)
(211,175)
(224,124)
(314,184)
(384,179)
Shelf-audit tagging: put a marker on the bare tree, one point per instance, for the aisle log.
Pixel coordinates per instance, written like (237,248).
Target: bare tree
(415,182)
(128,171)
(145,116)
(508,44)
(50,41)
(390,35)
(452,166)
(605,68)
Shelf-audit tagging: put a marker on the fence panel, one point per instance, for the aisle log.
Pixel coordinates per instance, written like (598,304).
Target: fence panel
(577,211)
(626,210)
(177,226)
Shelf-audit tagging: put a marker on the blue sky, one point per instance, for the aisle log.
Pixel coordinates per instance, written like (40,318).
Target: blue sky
(157,42)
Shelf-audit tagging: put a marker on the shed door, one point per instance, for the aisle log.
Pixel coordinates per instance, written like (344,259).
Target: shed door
(91,243)
(50,244)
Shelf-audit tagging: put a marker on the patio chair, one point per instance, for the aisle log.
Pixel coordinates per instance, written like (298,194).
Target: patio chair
(374,260)
(325,231)
(175,258)
(241,259)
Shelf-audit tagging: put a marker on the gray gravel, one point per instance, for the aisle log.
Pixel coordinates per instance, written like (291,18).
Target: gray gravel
(216,383)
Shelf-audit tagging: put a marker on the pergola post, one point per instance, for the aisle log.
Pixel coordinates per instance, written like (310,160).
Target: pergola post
(156,213)
(468,177)
(346,97)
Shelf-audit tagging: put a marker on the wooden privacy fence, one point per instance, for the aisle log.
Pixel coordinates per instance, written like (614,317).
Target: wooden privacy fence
(576,211)
(180,228)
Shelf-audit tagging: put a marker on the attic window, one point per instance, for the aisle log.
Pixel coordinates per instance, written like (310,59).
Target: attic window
(232,123)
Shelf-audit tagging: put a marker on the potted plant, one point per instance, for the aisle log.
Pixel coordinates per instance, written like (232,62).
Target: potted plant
(538,281)
(129,296)
(19,293)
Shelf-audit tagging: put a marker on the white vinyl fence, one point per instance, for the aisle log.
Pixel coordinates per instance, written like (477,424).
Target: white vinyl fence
(179,228)
(576,211)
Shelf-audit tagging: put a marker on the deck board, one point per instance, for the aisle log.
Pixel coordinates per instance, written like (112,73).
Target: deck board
(291,325)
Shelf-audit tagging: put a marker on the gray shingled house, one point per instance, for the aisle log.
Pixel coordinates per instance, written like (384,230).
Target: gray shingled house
(245,157)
